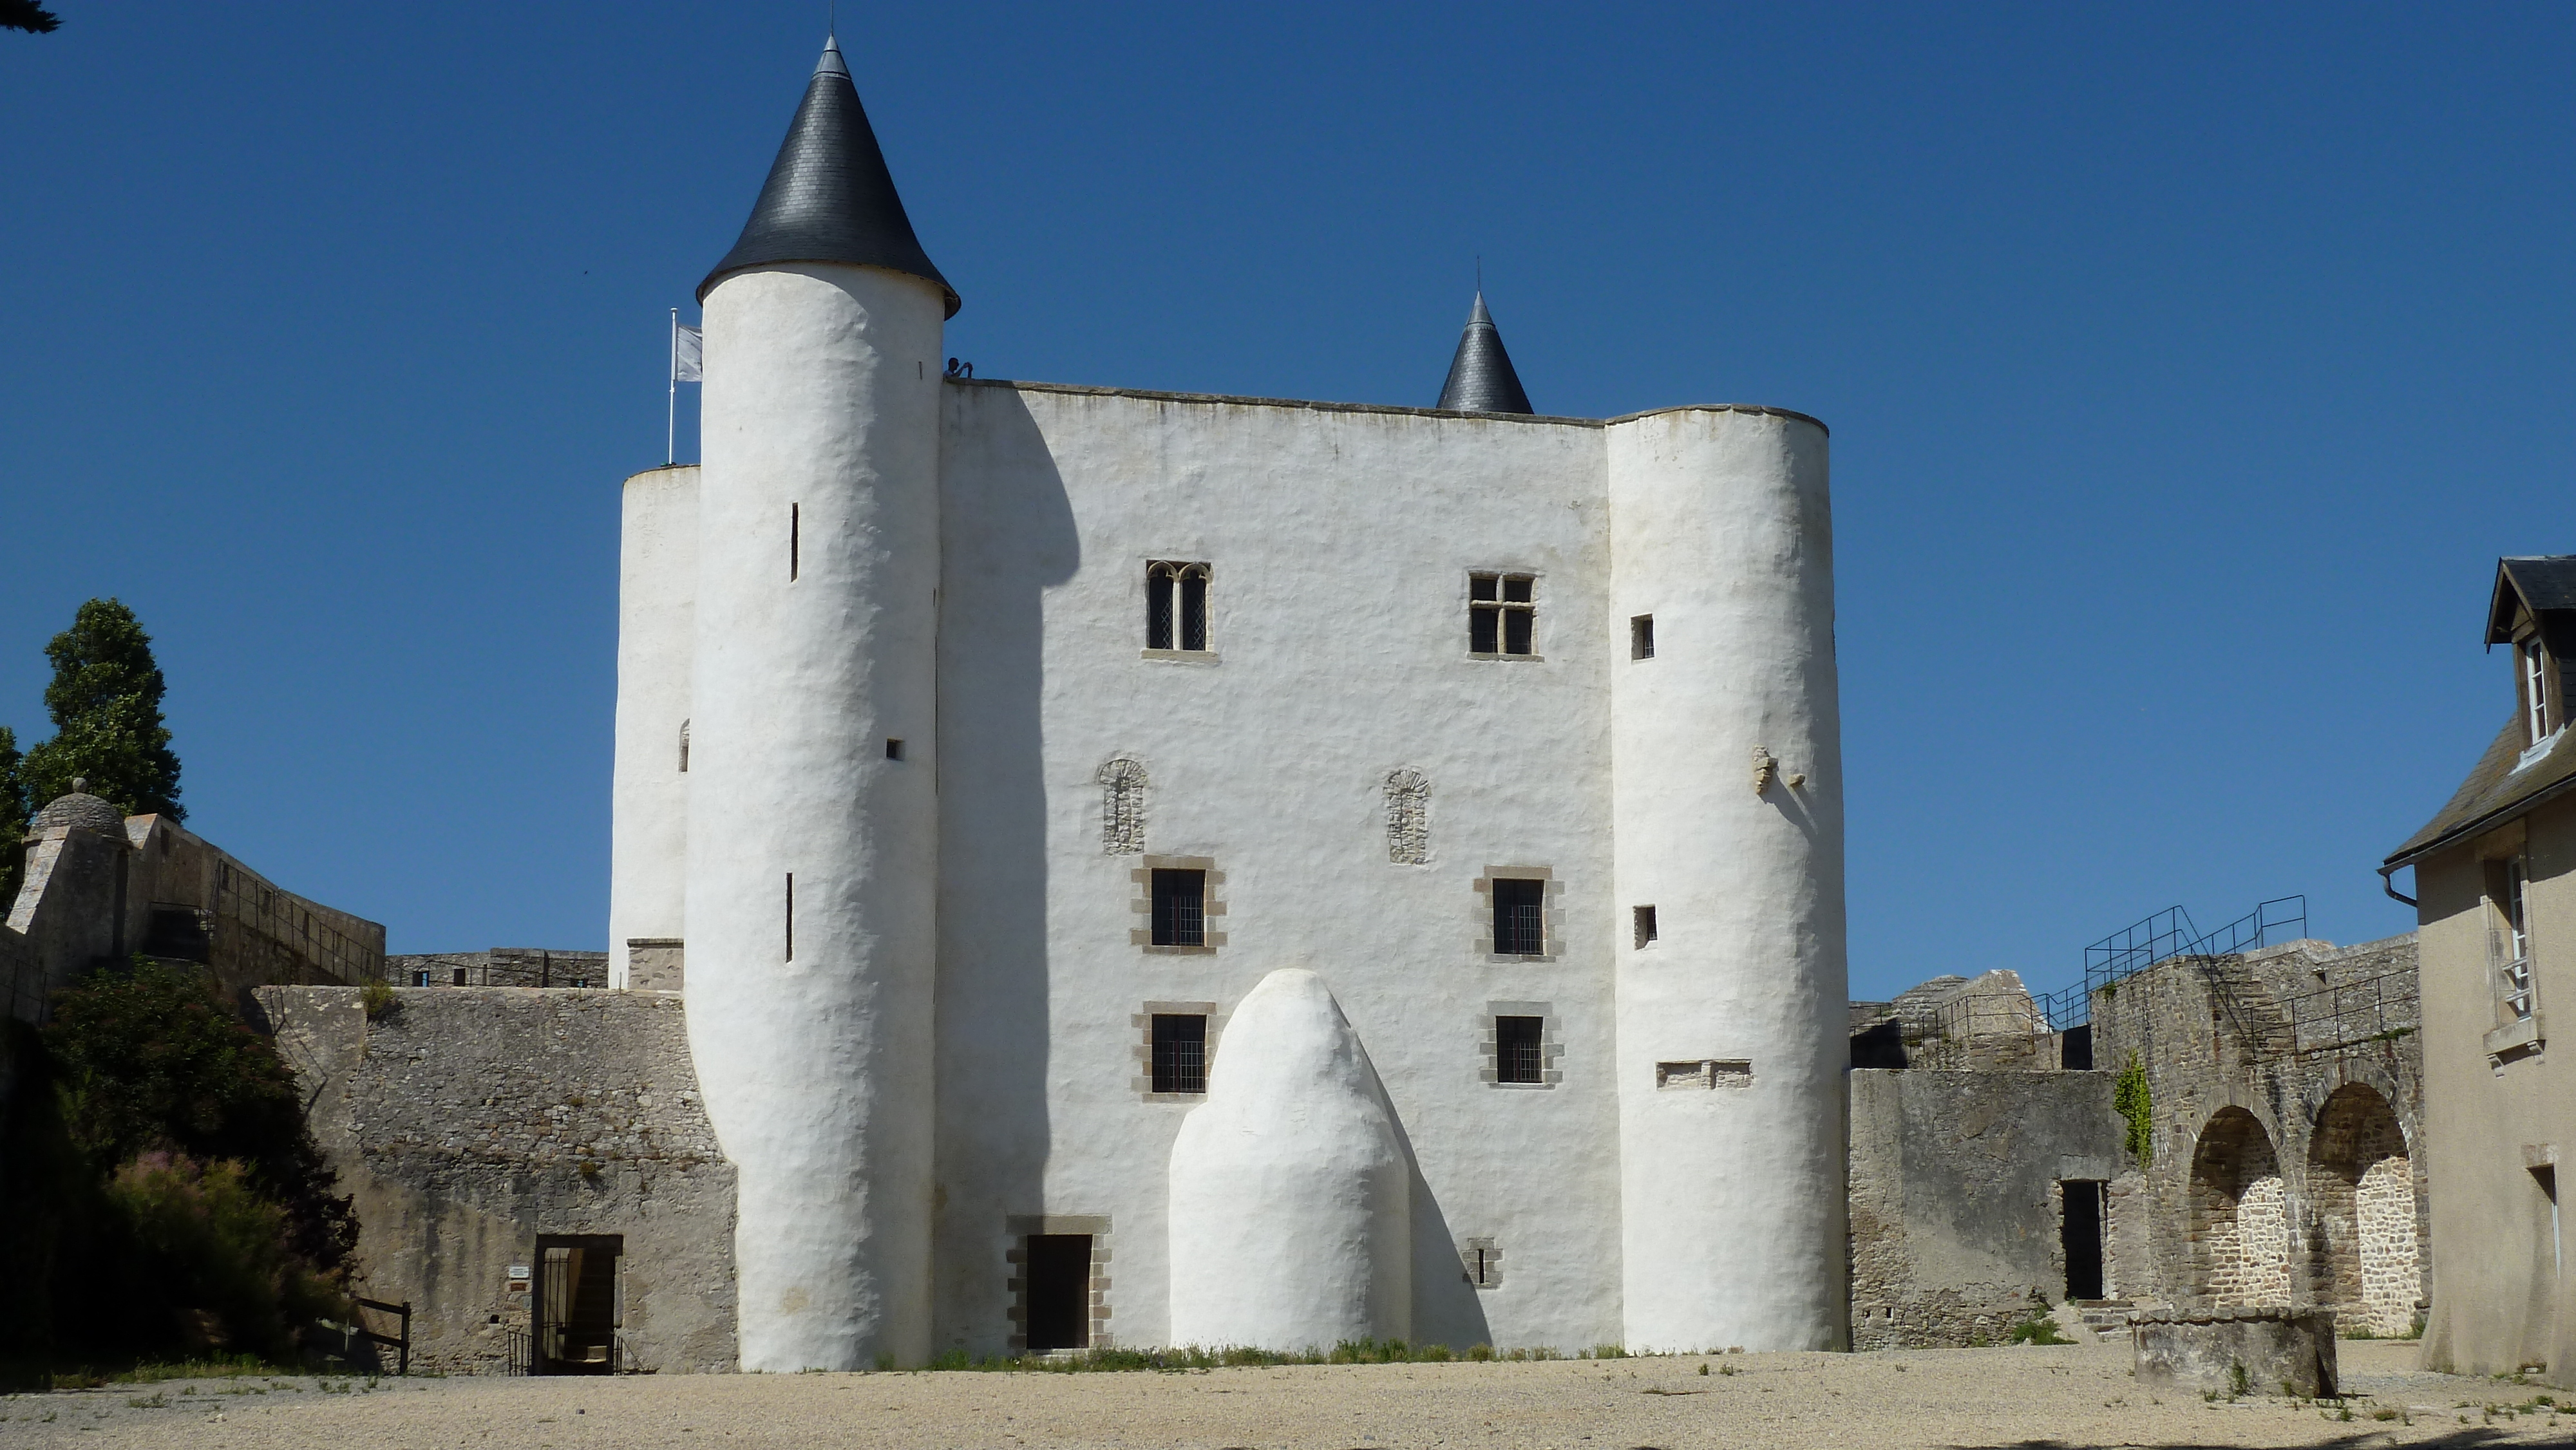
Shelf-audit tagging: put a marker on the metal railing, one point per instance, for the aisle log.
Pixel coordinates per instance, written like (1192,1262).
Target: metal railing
(2167,936)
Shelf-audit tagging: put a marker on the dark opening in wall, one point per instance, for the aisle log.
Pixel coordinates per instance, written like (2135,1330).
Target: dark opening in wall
(2081,1232)
(795,527)
(1180,1053)
(420,979)
(1641,637)
(2075,1049)
(575,1307)
(1520,917)
(894,748)
(459,977)
(1517,1055)
(791,916)
(1501,609)
(1176,606)
(1644,923)
(1180,908)
(1058,1271)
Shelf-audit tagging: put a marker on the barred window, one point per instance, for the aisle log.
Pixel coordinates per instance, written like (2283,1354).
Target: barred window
(1180,908)
(1517,1056)
(1501,609)
(1176,606)
(1180,1053)
(1520,917)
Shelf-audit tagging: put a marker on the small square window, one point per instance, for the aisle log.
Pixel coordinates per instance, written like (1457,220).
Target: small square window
(1643,918)
(1517,1055)
(1501,614)
(460,977)
(894,748)
(1520,917)
(1180,908)
(1641,637)
(420,979)
(1180,1053)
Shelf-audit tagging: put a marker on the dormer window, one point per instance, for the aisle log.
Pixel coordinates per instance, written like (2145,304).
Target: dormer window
(2539,701)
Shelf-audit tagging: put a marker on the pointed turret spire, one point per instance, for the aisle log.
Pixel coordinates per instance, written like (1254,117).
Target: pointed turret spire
(1481,379)
(829,197)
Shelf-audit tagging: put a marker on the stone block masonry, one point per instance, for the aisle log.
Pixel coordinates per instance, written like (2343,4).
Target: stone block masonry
(469,1122)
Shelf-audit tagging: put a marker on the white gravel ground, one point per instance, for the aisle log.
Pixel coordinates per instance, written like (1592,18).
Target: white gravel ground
(1986,1399)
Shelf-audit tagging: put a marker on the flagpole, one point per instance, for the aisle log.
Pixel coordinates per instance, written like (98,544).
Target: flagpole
(671,413)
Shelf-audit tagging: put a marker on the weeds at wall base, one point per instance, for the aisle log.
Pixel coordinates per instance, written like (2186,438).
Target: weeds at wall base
(1184,1360)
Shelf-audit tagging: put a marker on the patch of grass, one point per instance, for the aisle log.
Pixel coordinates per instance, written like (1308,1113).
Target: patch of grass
(2037,1329)
(153,1401)
(2238,1381)
(240,1366)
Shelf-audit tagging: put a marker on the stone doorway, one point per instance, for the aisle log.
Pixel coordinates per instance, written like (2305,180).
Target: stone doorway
(2240,1222)
(576,1307)
(2363,1259)
(1059,1291)
(2079,1227)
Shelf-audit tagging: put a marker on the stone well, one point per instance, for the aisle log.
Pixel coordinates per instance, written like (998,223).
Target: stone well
(2282,1350)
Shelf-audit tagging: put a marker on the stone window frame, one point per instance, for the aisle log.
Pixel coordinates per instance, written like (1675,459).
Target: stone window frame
(1705,1074)
(1211,906)
(1125,794)
(1020,1228)
(1553,897)
(1143,1021)
(1179,570)
(1502,607)
(1480,1262)
(1408,816)
(1551,1045)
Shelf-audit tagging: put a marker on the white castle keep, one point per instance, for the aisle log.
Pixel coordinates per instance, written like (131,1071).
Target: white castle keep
(1158,868)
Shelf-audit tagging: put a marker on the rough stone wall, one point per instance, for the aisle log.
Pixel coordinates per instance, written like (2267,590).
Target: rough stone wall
(502,967)
(2251,1194)
(470,1121)
(1956,1198)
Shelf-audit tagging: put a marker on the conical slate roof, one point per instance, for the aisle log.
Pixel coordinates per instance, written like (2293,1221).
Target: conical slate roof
(829,197)
(1481,379)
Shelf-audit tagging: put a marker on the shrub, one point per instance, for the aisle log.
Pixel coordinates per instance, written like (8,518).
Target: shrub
(2136,1101)
(2037,1329)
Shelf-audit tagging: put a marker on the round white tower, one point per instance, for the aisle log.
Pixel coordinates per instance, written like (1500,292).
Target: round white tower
(1727,801)
(812,835)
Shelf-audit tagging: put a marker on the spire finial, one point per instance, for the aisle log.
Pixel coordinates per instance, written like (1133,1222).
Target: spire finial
(831,64)
(1481,378)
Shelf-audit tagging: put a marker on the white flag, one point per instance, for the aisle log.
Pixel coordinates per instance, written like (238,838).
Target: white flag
(688,354)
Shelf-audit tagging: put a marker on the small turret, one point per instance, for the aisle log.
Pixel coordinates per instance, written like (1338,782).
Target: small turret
(1481,379)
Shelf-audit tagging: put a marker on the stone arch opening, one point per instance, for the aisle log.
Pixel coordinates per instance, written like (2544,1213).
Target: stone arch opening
(2240,1221)
(2363,1258)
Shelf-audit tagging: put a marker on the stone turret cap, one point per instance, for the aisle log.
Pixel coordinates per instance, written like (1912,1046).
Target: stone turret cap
(79,810)
(829,197)
(1481,379)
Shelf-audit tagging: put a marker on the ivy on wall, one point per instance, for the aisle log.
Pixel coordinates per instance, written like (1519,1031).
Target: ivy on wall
(2136,1102)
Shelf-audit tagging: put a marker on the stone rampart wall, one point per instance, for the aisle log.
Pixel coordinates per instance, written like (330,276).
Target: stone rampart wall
(2286,1164)
(468,1122)
(1956,1197)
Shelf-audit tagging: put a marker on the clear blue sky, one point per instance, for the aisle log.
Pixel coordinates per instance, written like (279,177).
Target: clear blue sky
(2188,368)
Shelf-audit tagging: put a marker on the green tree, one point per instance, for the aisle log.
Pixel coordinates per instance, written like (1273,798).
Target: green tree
(13,817)
(106,704)
(27,15)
